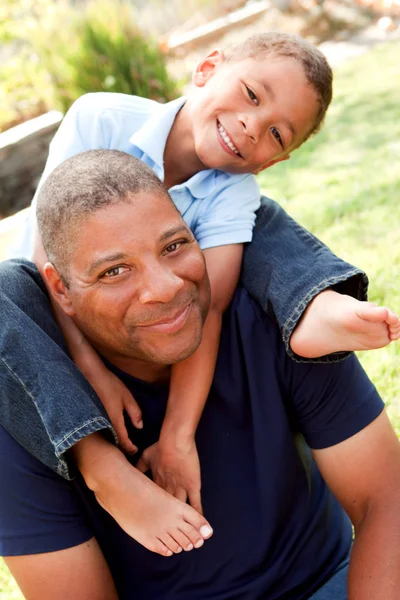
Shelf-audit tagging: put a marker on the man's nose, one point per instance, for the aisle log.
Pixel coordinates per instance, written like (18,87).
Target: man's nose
(159,284)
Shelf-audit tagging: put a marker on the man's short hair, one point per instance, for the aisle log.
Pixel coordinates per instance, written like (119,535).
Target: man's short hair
(316,67)
(82,185)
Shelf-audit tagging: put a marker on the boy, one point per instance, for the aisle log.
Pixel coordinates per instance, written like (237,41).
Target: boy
(251,107)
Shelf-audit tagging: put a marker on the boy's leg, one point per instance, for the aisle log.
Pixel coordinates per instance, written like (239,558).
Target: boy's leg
(46,403)
(285,267)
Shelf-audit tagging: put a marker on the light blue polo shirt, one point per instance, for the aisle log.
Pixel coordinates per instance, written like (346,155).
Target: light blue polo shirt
(217,206)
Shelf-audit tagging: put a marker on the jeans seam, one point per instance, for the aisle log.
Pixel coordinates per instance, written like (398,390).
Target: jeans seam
(293,319)
(91,426)
(62,467)
(64,445)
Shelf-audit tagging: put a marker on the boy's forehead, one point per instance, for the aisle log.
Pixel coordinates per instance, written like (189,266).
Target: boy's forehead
(263,65)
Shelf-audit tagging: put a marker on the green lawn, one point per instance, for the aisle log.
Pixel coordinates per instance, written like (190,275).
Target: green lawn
(344,185)
(8,589)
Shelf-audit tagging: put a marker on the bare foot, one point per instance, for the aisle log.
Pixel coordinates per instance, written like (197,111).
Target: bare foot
(150,515)
(334,322)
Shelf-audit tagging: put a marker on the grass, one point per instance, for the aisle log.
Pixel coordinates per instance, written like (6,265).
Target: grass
(345,187)
(8,588)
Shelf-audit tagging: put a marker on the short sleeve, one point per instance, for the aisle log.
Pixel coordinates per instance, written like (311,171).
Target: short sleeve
(229,213)
(39,511)
(332,402)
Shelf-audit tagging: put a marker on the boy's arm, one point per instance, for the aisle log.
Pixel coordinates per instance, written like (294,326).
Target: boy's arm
(178,469)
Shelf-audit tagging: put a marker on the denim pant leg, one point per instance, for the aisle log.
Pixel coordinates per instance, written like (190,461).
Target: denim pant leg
(46,403)
(285,267)
(336,587)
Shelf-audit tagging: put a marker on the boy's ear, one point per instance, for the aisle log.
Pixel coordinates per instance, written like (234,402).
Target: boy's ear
(271,163)
(206,68)
(57,288)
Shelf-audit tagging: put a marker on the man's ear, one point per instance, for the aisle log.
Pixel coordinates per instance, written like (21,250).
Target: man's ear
(270,164)
(206,68)
(57,288)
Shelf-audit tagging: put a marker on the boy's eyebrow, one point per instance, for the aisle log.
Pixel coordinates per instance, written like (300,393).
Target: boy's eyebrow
(105,259)
(270,93)
(290,125)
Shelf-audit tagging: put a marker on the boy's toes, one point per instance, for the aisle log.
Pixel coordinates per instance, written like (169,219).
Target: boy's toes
(372,313)
(198,522)
(160,548)
(394,335)
(393,320)
(171,543)
(182,539)
(192,534)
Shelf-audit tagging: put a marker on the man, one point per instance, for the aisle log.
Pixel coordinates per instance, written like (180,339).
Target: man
(128,270)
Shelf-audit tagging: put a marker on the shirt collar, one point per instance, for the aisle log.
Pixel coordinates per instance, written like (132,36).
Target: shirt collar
(152,136)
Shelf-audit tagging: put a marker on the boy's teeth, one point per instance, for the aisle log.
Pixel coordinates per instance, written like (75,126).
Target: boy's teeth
(227,139)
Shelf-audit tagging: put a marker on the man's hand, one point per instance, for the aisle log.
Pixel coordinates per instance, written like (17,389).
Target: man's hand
(176,468)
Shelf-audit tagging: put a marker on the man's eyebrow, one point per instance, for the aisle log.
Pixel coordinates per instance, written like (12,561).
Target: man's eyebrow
(108,258)
(174,231)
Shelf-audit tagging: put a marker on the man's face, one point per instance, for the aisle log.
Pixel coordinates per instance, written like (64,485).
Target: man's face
(138,287)
(249,114)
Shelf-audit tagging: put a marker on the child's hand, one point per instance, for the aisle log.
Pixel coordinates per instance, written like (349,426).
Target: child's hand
(175,468)
(116,398)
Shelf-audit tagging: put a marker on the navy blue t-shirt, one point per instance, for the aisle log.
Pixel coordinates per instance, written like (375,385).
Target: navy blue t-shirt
(278,532)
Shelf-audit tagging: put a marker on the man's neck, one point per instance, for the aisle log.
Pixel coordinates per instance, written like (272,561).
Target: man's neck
(180,159)
(143,370)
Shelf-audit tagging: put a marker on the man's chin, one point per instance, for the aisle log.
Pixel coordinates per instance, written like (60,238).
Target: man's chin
(170,354)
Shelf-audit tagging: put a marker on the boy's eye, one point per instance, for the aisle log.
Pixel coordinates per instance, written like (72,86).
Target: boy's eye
(114,272)
(277,135)
(252,95)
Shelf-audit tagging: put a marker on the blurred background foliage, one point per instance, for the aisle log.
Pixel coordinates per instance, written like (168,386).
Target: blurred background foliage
(53,52)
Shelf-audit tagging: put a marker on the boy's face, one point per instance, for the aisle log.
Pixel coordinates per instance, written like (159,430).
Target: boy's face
(250,114)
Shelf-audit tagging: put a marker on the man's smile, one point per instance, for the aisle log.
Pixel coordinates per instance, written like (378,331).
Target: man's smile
(170,324)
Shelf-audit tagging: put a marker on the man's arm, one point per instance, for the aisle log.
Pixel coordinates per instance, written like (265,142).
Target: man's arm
(363,472)
(78,573)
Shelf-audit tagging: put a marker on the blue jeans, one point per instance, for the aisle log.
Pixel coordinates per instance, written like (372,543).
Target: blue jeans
(336,587)
(46,403)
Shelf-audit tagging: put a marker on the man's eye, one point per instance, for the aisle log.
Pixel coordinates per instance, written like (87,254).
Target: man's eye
(252,95)
(277,135)
(113,272)
(173,247)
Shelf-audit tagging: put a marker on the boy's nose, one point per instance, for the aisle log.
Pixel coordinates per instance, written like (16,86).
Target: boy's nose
(250,127)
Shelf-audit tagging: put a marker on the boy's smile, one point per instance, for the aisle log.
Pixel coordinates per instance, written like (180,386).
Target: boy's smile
(246,115)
